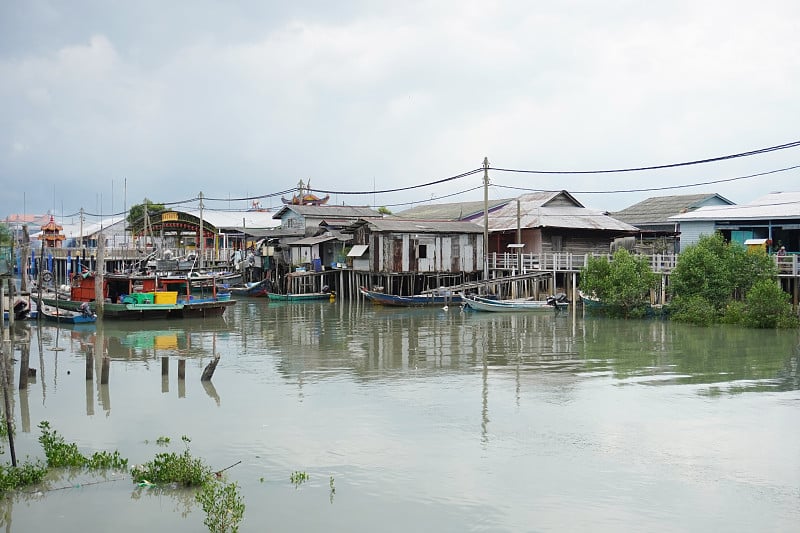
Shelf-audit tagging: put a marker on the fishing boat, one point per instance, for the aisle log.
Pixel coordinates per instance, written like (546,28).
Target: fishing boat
(439,297)
(138,296)
(478,303)
(254,289)
(65,316)
(300,296)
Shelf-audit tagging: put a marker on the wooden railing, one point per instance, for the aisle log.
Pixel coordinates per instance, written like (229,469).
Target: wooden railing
(565,262)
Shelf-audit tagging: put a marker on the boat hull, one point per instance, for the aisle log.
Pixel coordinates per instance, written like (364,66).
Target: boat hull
(300,297)
(418,300)
(513,306)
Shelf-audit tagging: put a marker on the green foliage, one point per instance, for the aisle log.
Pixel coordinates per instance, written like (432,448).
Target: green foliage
(22,475)
(383,210)
(768,306)
(5,234)
(62,454)
(162,441)
(136,214)
(298,478)
(693,310)
(713,281)
(57,451)
(622,284)
(223,505)
(171,467)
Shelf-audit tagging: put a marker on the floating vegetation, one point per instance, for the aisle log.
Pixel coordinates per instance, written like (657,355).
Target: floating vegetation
(298,478)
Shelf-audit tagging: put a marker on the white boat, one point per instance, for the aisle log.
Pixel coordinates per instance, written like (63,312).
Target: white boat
(478,303)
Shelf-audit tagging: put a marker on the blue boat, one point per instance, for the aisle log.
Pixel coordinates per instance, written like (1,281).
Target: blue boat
(440,297)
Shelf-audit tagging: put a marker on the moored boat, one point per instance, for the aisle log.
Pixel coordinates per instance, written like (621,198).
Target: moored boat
(255,289)
(440,297)
(478,303)
(66,316)
(135,296)
(300,296)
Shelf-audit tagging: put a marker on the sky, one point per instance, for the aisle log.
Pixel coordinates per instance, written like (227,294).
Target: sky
(105,103)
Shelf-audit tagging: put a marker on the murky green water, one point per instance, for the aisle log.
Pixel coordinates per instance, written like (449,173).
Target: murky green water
(427,420)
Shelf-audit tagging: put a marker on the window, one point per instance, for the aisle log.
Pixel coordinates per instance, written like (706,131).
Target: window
(422,251)
(557,242)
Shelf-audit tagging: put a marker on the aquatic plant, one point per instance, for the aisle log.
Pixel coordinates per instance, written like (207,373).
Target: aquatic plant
(59,453)
(171,467)
(298,478)
(27,473)
(223,505)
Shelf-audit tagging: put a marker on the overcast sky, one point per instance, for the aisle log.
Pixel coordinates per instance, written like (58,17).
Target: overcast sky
(104,103)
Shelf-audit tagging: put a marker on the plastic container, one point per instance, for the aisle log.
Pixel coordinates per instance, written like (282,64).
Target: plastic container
(166,297)
(142,297)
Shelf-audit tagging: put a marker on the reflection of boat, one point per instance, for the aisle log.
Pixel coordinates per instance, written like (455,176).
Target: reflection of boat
(440,297)
(258,288)
(300,296)
(55,314)
(484,304)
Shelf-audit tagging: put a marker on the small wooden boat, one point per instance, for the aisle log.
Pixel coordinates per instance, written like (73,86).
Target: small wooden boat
(258,288)
(300,297)
(477,303)
(66,316)
(441,298)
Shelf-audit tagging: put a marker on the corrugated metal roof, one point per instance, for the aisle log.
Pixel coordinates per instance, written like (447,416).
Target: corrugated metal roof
(421,226)
(773,206)
(658,209)
(311,241)
(559,217)
(329,211)
(451,211)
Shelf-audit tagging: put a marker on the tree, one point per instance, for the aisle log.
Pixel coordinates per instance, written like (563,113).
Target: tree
(622,284)
(5,234)
(383,210)
(136,213)
(713,275)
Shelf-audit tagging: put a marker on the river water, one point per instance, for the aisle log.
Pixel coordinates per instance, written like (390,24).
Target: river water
(421,420)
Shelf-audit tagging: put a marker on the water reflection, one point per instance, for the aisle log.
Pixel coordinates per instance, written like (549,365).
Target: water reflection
(437,419)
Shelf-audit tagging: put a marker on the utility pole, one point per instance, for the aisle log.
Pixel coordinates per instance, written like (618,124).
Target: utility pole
(486,220)
(202,237)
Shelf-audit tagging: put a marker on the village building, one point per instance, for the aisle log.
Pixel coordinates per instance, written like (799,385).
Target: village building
(658,234)
(774,217)
(411,256)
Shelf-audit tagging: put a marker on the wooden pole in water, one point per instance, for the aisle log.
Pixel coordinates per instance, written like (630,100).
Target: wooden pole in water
(24,363)
(90,364)
(4,358)
(165,366)
(208,372)
(99,296)
(181,369)
(105,370)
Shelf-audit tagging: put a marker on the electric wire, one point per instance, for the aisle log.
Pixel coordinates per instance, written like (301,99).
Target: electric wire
(792,144)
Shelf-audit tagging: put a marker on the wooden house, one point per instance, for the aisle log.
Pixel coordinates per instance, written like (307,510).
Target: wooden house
(553,222)
(414,255)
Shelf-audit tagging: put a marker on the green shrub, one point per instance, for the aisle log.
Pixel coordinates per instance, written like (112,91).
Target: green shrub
(223,505)
(768,306)
(171,467)
(13,477)
(693,310)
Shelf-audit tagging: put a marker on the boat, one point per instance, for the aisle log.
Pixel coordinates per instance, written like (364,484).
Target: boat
(478,303)
(300,296)
(254,289)
(439,297)
(66,316)
(139,296)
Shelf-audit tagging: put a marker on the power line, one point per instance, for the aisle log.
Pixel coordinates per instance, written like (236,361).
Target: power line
(667,187)
(793,144)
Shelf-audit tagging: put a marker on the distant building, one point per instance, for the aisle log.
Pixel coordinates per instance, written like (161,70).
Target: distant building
(775,217)
(658,233)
